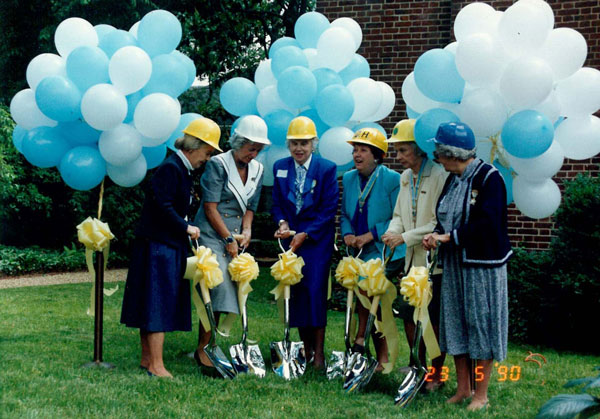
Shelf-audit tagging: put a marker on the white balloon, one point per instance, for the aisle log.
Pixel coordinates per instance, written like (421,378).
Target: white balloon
(484,111)
(103,107)
(129,69)
(72,33)
(335,48)
(579,137)
(414,98)
(523,28)
(541,167)
(526,82)
(121,145)
(275,153)
(157,115)
(268,101)
(536,199)
(388,102)
(352,27)
(473,18)
(549,107)
(565,50)
(367,97)
(579,94)
(333,145)
(25,112)
(480,59)
(484,149)
(134,29)
(545,9)
(45,65)
(130,174)
(311,55)
(452,46)
(153,142)
(263,76)
(267,179)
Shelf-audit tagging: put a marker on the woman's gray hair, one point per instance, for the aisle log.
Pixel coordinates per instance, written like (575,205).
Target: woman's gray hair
(315,143)
(189,143)
(237,141)
(458,153)
(418,151)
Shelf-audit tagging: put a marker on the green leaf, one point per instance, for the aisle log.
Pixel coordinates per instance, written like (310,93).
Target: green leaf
(578,381)
(567,406)
(595,383)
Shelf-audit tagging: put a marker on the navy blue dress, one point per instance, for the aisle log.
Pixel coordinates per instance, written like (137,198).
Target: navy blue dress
(157,298)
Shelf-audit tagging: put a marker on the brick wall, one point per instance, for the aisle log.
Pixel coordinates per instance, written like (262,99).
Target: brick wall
(396,33)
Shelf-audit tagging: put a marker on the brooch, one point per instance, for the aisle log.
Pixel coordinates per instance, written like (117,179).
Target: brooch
(474,194)
(312,187)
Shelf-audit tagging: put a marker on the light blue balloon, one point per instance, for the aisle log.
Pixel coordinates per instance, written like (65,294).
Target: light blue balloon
(341,169)
(437,77)
(238,96)
(411,113)
(326,77)
(358,67)
(189,66)
(102,30)
(369,125)
(87,66)
(297,86)
(184,121)
(82,168)
(527,134)
(559,121)
(287,57)
(508,180)
(132,101)
(309,27)
(58,98)
(427,125)
(17,136)
(335,105)
(169,76)
(284,41)
(314,116)
(154,155)
(78,133)
(44,147)
(115,40)
(159,32)
(277,125)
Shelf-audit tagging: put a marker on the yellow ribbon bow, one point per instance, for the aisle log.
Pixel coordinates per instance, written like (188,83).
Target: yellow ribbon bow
(375,283)
(416,289)
(95,236)
(202,267)
(348,272)
(287,270)
(243,269)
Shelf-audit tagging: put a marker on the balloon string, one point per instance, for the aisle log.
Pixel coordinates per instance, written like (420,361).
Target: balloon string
(100,199)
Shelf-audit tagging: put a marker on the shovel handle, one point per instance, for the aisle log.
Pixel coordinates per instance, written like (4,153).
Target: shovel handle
(375,305)
(292,233)
(238,237)
(205,292)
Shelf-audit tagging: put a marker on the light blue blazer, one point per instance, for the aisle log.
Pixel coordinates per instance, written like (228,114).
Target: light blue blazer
(380,206)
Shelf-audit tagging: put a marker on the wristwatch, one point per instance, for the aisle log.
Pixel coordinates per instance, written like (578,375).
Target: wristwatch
(281,222)
(229,239)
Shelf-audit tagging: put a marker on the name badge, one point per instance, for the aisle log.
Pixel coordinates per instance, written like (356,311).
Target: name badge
(281,173)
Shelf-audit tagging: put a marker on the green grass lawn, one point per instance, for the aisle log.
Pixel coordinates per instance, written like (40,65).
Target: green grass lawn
(45,338)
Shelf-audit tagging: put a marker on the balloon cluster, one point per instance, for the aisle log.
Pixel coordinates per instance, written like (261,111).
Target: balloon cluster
(513,79)
(107,104)
(316,74)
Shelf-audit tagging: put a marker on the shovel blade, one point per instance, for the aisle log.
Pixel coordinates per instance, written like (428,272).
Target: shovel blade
(247,360)
(410,386)
(359,372)
(288,363)
(220,361)
(337,365)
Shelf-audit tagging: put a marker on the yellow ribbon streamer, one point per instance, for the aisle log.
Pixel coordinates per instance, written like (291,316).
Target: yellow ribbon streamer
(417,291)
(376,283)
(95,236)
(287,270)
(203,266)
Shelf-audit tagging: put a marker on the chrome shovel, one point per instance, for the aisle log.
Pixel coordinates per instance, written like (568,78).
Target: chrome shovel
(339,360)
(247,358)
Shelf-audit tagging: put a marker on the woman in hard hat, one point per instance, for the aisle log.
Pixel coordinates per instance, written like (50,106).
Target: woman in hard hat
(370,193)
(157,299)
(474,250)
(231,185)
(305,197)
(414,216)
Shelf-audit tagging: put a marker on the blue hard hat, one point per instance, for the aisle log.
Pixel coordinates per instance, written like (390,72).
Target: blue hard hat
(456,134)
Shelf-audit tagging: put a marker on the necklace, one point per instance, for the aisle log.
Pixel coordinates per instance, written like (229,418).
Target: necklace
(364,193)
(414,190)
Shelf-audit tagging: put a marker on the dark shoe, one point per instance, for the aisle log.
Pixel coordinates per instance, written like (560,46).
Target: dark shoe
(143,368)
(150,374)
(358,348)
(199,361)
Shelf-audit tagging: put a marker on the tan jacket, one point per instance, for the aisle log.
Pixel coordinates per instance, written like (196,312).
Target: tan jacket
(430,188)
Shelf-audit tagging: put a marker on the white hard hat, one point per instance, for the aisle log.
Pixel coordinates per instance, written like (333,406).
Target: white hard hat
(253,128)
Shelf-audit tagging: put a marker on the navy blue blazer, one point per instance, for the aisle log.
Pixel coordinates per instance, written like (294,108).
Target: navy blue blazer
(167,204)
(321,193)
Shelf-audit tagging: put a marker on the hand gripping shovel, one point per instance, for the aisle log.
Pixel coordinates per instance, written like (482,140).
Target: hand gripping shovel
(415,378)
(246,358)
(288,359)
(338,362)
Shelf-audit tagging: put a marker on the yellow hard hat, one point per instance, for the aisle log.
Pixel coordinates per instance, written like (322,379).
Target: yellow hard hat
(206,130)
(371,136)
(404,132)
(301,128)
